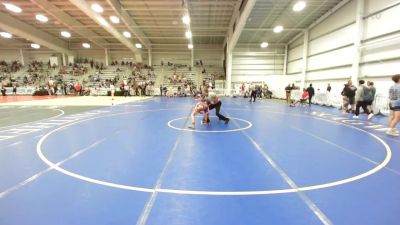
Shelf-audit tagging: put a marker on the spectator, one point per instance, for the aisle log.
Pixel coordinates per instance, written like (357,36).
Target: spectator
(14,88)
(252,90)
(3,90)
(329,88)
(288,91)
(311,93)
(349,93)
(394,96)
(370,93)
(360,100)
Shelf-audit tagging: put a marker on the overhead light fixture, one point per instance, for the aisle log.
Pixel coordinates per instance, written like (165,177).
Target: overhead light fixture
(5,35)
(35,46)
(12,7)
(86,45)
(188,34)
(264,45)
(66,34)
(299,6)
(190,46)
(127,34)
(138,45)
(102,21)
(42,18)
(97,8)
(278,29)
(186,19)
(114,19)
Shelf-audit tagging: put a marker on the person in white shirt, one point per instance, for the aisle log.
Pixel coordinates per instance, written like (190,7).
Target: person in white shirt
(112,89)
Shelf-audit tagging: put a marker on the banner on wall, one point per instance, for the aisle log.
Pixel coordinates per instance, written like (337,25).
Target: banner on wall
(54,60)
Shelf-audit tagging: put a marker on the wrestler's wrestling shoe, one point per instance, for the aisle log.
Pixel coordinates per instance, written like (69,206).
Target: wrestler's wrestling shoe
(227,120)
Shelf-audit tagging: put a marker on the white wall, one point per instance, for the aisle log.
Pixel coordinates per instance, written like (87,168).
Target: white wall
(331,48)
(295,56)
(257,64)
(10,55)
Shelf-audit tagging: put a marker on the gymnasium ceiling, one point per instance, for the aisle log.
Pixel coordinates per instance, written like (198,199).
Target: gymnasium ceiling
(157,24)
(267,14)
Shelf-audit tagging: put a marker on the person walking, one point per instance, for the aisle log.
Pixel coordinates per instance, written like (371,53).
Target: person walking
(311,93)
(360,98)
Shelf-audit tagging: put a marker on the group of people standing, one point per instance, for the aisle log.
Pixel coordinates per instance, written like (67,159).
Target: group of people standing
(358,97)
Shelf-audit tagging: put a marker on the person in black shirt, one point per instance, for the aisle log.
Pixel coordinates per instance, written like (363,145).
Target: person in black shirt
(3,91)
(288,91)
(311,93)
(329,88)
(214,103)
(349,93)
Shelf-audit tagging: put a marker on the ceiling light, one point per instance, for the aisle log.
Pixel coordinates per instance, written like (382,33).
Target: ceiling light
(66,34)
(86,45)
(127,34)
(264,45)
(12,7)
(278,29)
(186,19)
(42,18)
(97,8)
(35,46)
(114,19)
(5,35)
(300,5)
(188,34)
(190,46)
(138,45)
(102,21)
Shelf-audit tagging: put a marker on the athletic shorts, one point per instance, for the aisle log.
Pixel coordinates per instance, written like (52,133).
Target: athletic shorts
(396,108)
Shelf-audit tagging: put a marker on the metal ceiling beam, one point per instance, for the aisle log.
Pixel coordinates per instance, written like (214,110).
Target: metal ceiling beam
(132,3)
(271,29)
(19,28)
(127,19)
(68,21)
(168,9)
(165,37)
(85,7)
(241,23)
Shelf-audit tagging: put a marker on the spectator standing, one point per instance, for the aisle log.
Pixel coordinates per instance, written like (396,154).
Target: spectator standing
(349,93)
(252,90)
(288,91)
(394,96)
(370,93)
(112,90)
(328,95)
(3,90)
(14,88)
(311,93)
(360,98)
